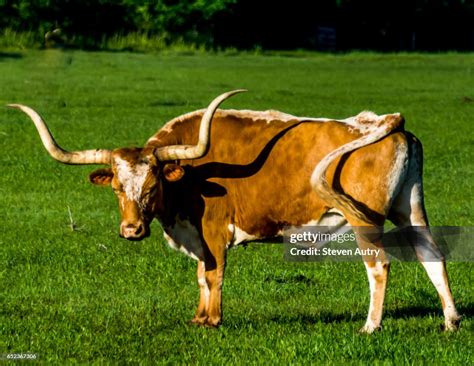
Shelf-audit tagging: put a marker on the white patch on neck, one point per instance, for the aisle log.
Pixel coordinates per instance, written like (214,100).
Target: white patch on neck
(132,178)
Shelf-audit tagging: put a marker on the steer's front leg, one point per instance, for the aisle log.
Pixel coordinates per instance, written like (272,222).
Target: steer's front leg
(210,273)
(200,318)
(214,274)
(210,276)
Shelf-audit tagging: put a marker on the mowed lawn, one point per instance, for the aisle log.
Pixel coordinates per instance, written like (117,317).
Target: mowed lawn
(86,295)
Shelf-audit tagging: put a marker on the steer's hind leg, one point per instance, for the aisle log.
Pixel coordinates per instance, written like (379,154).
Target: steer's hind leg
(408,210)
(377,266)
(428,254)
(437,273)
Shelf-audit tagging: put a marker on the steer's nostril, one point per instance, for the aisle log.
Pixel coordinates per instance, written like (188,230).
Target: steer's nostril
(139,230)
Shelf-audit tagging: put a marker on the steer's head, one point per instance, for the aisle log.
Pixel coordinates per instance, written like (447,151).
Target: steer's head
(135,181)
(136,175)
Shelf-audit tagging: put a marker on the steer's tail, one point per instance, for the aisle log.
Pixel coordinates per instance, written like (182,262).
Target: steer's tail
(385,125)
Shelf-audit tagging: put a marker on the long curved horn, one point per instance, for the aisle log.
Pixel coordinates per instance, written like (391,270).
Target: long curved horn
(180,152)
(67,157)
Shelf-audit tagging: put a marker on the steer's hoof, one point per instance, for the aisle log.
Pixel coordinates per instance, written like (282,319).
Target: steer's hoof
(199,321)
(208,322)
(213,322)
(369,329)
(452,325)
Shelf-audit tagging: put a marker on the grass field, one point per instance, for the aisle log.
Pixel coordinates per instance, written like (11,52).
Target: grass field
(88,296)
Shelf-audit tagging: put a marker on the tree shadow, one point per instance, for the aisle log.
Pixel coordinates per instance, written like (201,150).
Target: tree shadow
(10,55)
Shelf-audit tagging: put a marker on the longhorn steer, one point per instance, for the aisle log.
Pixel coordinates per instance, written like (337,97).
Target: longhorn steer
(255,173)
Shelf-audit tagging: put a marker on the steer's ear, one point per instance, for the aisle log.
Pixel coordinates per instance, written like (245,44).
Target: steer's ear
(173,172)
(101,177)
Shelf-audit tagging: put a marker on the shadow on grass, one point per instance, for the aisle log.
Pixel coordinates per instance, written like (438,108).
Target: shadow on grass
(297,278)
(168,103)
(413,311)
(424,311)
(323,317)
(329,317)
(400,313)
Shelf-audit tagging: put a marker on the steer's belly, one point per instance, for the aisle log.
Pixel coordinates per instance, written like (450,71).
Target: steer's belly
(185,237)
(332,219)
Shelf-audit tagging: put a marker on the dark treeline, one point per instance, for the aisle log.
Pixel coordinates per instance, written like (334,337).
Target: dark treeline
(386,25)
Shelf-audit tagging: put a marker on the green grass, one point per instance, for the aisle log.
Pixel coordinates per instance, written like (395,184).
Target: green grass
(88,296)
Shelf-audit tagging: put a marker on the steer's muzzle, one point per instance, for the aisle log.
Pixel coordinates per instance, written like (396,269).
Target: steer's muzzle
(134,231)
